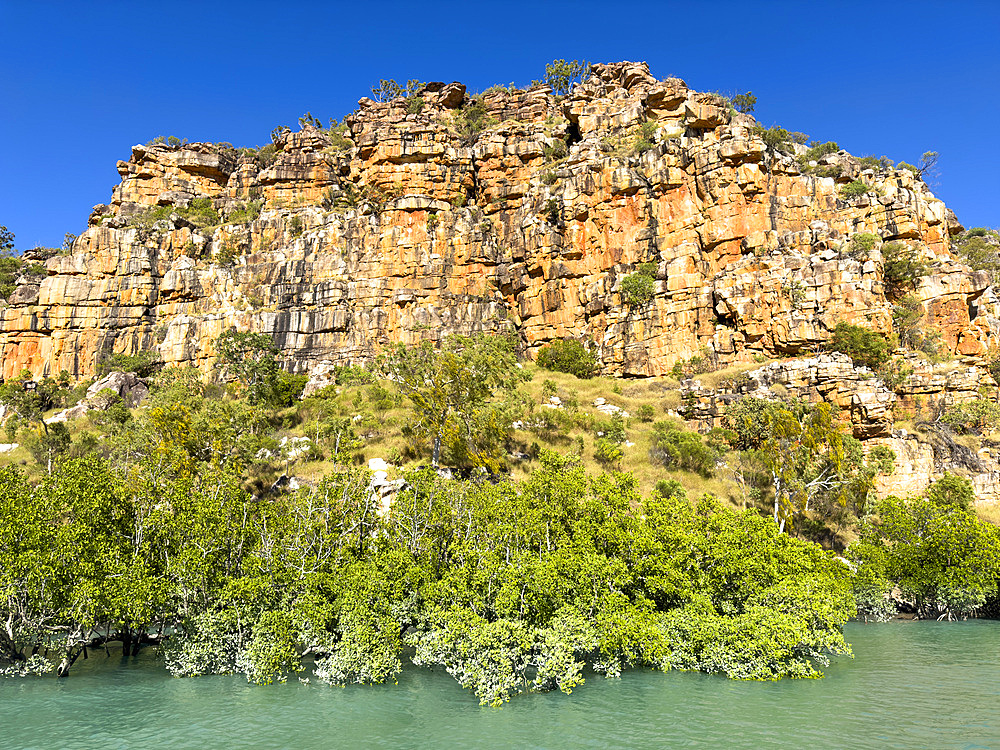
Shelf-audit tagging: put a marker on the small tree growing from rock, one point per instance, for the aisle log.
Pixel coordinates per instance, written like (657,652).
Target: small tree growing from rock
(864,346)
(560,75)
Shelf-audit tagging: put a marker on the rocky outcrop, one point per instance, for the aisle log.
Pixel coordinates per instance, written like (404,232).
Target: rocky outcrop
(512,211)
(858,397)
(867,405)
(928,388)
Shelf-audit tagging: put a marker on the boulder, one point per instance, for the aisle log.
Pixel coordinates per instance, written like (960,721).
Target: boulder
(132,389)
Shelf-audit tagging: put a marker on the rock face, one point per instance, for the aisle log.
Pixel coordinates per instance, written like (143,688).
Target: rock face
(867,405)
(513,211)
(861,400)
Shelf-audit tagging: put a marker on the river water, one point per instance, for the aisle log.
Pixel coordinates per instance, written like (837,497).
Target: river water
(911,684)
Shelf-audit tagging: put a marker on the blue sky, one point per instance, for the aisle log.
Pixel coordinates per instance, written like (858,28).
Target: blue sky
(80,82)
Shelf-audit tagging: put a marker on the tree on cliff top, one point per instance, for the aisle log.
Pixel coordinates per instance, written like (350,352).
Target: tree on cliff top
(560,75)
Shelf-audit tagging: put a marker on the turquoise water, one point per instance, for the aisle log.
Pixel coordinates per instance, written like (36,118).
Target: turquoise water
(919,685)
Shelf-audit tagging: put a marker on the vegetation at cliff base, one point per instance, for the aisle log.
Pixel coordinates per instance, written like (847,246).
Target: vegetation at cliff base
(568,356)
(169,525)
(933,548)
(507,586)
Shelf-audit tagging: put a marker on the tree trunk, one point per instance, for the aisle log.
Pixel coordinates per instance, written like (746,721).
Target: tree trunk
(69,658)
(436,452)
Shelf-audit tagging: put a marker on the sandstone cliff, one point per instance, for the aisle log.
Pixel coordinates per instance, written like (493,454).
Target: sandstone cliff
(516,210)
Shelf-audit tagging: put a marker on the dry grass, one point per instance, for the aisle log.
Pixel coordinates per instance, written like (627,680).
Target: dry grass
(388,442)
(715,379)
(989,513)
(383,433)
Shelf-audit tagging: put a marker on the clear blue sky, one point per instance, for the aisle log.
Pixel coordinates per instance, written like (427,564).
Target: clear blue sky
(80,82)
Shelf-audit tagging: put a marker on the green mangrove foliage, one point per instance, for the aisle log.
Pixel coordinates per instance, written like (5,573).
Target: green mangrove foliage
(509,587)
(933,548)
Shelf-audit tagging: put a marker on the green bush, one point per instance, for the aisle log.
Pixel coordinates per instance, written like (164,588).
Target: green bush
(878,163)
(953,490)
(414,104)
(854,189)
(245,213)
(749,419)
(976,416)
(680,449)
(861,245)
(612,429)
(818,150)
(744,102)
(607,452)
(638,288)
(940,556)
(200,212)
(267,155)
(471,120)
(143,363)
(340,137)
(11,268)
(865,347)
(286,388)
(901,266)
(568,356)
(645,413)
(979,248)
(556,151)
(353,375)
(774,138)
(644,137)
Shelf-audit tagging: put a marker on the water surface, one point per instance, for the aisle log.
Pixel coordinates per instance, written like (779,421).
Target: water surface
(911,684)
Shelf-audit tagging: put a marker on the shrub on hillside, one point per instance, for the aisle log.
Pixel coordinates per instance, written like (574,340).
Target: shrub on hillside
(854,189)
(861,245)
(979,248)
(680,449)
(638,288)
(978,416)
(775,138)
(749,418)
(142,363)
(818,150)
(608,453)
(744,103)
(568,356)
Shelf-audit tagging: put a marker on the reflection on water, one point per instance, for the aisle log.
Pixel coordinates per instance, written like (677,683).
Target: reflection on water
(923,685)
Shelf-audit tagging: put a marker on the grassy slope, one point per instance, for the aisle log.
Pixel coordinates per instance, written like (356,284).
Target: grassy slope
(385,439)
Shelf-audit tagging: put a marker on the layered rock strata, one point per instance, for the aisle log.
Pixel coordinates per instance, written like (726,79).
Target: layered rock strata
(512,211)
(865,405)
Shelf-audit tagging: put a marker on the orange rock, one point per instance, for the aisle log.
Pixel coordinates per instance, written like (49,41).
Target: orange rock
(518,212)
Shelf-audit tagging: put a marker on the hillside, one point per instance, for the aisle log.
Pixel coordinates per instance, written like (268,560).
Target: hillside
(518,385)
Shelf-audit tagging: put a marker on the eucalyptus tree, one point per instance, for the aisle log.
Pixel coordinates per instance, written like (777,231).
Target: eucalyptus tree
(460,394)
